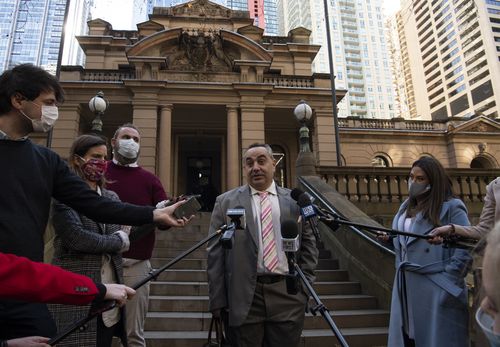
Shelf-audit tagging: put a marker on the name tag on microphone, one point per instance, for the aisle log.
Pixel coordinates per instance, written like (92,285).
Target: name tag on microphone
(291,245)
(308,211)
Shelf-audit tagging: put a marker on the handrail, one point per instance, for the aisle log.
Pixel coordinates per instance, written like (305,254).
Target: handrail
(326,204)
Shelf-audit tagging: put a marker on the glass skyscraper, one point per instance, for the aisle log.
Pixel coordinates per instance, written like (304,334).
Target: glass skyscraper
(270,13)
(30,32)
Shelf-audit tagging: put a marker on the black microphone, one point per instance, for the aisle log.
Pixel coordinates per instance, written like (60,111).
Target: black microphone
(290,245)
(237,220)
(307,210)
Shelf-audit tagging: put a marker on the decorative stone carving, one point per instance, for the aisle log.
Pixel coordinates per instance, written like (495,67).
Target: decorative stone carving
(202,8)
(482,147)
(200,51)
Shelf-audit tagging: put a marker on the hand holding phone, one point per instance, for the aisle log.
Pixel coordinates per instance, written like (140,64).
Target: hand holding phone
(188,208)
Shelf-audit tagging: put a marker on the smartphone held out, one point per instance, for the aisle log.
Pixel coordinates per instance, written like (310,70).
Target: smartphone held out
(187,209)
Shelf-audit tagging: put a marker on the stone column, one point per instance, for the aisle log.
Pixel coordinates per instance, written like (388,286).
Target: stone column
(324,138)
(165,147)
(145,117)
(252,126)
(66,128)
(233,145)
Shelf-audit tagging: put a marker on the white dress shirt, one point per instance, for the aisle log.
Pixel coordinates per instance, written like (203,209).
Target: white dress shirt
(282,267)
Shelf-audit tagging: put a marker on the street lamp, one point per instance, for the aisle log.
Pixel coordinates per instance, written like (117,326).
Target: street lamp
(98,106)
(303,113)
(305,164)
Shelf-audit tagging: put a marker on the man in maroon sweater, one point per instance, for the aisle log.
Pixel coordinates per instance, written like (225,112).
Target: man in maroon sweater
(133,184)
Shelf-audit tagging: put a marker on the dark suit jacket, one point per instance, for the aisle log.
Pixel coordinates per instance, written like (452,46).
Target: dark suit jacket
(79,246)
(232,274)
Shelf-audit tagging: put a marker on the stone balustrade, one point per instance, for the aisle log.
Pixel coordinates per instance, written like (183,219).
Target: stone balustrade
(370,184)
(106,75)
(290,81)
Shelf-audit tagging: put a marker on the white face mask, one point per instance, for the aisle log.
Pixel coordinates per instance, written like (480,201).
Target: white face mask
(485,321)
(50,114)
(128,148)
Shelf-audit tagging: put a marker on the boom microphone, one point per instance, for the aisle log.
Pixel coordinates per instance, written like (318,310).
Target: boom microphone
(290,244)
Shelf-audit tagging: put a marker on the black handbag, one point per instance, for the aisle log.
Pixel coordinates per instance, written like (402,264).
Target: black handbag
(216,326)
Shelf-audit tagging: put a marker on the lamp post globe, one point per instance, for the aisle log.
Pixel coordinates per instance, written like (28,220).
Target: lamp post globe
(302,112)
(98,105)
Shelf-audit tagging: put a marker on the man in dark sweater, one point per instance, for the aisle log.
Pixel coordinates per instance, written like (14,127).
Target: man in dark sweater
(31,176)
(135,185)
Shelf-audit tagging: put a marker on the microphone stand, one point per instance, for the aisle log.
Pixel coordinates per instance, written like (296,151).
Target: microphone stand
(449,242)
(320,307)
(98,309)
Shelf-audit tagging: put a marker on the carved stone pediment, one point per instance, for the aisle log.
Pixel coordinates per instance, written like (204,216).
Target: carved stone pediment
(200,51)
(149,28)
(197,8)
(479,124)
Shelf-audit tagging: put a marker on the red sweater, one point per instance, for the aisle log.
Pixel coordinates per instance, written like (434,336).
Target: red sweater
(140,187)
(23,279)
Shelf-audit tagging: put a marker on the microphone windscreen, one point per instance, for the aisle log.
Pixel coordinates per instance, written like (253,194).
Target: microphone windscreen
(289,229)
(296,192)
(304,200)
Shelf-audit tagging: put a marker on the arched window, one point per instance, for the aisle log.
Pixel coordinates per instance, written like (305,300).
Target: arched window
(481,162)
(381,160)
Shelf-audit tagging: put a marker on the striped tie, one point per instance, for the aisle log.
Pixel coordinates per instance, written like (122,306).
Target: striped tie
(269,253)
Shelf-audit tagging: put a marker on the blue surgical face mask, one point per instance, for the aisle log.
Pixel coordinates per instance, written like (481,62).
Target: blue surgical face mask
(485,321)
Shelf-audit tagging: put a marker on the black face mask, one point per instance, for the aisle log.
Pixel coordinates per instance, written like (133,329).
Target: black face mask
(417,189)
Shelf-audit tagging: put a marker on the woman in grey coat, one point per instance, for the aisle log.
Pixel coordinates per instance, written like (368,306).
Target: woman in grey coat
(429,297)
(89,248)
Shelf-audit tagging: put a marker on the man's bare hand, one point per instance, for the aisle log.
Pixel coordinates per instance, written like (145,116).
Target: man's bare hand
(118,292)
(165,216)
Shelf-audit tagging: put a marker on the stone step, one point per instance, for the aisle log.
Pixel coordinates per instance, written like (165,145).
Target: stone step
(201,288)
(358,337)
(172,235)
(171,252)
(188,275)
(201,263)
(200,321)
(200,303)
(179,244)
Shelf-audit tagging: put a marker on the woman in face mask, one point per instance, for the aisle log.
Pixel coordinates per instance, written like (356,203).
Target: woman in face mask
(488,315)
(429,298)
(89,248)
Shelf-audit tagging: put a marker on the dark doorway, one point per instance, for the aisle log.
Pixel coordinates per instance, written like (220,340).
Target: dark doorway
(200,166)
(280,176)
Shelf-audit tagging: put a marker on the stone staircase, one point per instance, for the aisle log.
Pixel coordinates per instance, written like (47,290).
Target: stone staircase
(178,310)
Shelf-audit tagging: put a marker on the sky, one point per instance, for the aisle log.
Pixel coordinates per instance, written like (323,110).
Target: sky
(119,12)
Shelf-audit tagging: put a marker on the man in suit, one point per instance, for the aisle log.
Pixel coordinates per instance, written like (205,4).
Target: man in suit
(247,283)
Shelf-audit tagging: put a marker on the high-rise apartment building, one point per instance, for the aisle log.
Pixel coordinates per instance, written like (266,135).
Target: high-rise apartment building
(257,9)
(76,24)
(451,54)
(30,32)
(360,51)
(403,88)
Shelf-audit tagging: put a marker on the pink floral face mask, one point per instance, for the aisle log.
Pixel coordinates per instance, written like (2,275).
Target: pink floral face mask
(94,169)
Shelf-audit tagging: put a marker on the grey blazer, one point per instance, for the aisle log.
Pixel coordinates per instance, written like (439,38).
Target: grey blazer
(232,274)
(490,213)
(79,245)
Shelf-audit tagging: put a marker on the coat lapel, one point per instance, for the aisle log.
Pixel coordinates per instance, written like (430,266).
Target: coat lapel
(244,199)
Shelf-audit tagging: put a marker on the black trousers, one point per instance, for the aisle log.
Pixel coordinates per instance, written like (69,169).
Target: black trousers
(20,319)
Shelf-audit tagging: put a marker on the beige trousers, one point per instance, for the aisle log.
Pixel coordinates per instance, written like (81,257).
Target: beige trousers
(136,309)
